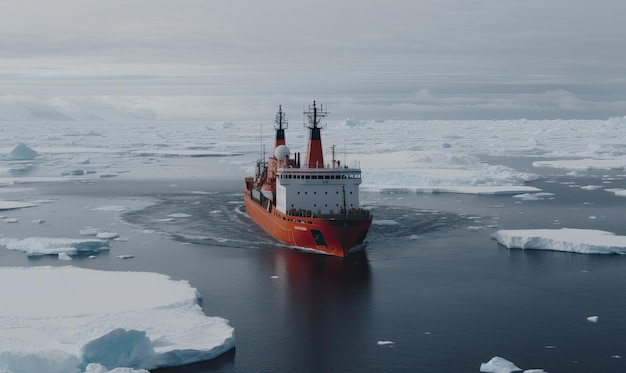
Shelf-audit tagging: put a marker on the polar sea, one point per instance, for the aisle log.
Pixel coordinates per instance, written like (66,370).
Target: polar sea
(496,246)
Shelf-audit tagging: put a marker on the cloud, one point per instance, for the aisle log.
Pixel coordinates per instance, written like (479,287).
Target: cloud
(457,55)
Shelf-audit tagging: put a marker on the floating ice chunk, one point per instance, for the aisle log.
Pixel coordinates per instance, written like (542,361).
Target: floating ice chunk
(125,256)
(111,208)
(89,231)
(584,241)
(385,343)
(591,187)
(107,235)
(12,205)
(584,164)
(499,365)
(39,221)
(124,319)
(99,368)
(533,196)
(53,246)
(9,220)
(22,152)
(593,319)
(617,192)
(179,215)
(64,256)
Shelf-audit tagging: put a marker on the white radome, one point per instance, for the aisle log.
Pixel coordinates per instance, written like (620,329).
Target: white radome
(281,152)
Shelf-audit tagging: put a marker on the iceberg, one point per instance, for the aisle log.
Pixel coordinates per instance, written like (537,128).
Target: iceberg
(21,152)
(69,319)
(499,365)
(583,241)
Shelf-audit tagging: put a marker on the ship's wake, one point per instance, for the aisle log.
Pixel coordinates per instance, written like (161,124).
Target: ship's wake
(220,219)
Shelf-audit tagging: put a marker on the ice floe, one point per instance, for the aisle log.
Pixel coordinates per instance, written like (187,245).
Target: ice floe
(34,246)
(617,192)
(501,365)
(75,319)
(12,205)
(584,241)
(386,343)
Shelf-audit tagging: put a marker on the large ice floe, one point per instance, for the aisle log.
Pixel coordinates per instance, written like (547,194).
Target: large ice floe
(584,241)
(68,319)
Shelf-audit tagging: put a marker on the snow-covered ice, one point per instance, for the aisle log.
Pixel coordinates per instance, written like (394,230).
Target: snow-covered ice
(34,246)
(20,152)
(13,205)
(395,156)
(422,156)
(617,192)
(500,365)
(584,241)
(72,317)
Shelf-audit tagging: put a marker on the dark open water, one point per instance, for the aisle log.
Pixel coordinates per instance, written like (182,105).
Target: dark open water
(430,280)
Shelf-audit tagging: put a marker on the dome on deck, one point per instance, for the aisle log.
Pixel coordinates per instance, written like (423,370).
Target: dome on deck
(281,152)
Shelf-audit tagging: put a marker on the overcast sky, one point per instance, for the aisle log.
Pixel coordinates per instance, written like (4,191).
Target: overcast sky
(387,59)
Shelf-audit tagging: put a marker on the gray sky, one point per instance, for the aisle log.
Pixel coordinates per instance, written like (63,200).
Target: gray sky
(387,59)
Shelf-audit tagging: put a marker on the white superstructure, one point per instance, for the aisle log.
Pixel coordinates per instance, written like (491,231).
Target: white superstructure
(319,190)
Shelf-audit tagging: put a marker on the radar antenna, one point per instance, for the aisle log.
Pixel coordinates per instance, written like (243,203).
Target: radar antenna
(315,115)
(281,119)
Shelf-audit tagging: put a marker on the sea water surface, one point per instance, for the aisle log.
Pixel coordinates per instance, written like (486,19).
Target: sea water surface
(430,292)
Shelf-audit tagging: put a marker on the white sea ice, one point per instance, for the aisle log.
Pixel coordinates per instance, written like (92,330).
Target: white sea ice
(76,319)
(34,246)
(584,241)
(499,365)
(12,205)
(21,152)
(107,235)
(385,343)
(179,215)
(584,164)
(113,208)
(593,319)
(533,196)
(440,172)
(99,368)
(617,192)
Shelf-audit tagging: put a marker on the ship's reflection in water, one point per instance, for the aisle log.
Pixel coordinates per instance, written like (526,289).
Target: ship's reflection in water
(323,301)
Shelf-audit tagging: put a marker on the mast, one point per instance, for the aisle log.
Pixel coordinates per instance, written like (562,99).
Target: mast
(314,154)
(280,125)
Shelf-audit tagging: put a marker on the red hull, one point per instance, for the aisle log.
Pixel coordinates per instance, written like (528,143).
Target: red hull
(333,236)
